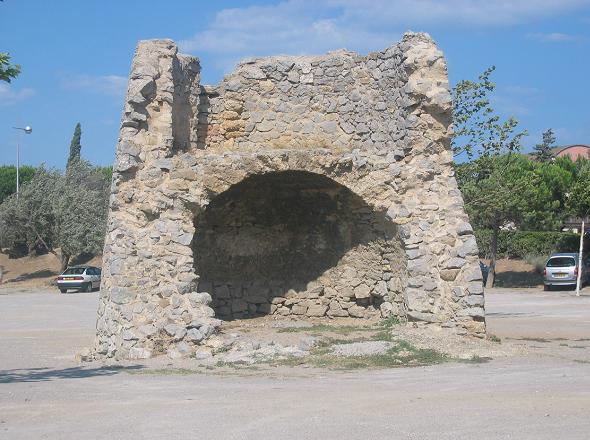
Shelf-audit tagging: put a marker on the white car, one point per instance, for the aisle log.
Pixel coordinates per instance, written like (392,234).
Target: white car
(80,278)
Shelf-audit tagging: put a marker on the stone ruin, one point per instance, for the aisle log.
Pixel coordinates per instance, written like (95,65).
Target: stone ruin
(308,186)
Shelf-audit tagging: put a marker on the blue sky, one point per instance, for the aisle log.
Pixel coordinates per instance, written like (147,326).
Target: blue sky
(75,56)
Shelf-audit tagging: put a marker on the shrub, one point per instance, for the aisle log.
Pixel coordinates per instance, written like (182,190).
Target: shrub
(525,244)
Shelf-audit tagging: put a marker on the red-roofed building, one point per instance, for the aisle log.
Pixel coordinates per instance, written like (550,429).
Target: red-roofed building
(573,151)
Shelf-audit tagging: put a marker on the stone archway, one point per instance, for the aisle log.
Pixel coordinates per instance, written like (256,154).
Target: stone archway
(297,243)
(379,125)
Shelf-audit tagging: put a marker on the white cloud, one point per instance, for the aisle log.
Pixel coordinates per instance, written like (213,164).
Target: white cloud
(8,96)
(312,26)
(291,27)
(554,37)
(113,85)
(453,12)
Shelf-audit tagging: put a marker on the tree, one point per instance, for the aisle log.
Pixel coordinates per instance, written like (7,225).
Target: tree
(7,71)
(54,211)
(543,151)
(80,211)
(75,145)
(29,221)
(579,197)
(8,179)
(479,131)
(107,172)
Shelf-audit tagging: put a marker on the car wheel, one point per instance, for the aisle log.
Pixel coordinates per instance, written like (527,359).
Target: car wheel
(546,287)
(88,287)
(63,290)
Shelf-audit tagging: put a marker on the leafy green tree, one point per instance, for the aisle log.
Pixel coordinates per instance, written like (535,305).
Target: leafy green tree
(55,211)
(75,145)
(107,172)
(29,221)
(7,71)
(553,181)
(543,151)
(8,179)
(579,197)
(80,211)
(479,131)
(499,190)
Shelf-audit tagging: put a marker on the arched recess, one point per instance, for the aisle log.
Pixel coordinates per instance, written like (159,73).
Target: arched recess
(297,243)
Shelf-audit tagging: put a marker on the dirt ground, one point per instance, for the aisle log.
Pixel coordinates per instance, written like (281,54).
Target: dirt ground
(517,273)
(41,271)
(37,271)
(530,381)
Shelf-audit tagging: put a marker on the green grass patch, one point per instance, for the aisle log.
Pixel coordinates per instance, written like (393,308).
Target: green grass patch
(386,323)
(534,339)
(403,354)
(164,371)
(495,339)
(327,328)
(475,359)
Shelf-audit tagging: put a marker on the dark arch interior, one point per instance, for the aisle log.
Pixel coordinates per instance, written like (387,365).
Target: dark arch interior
(292,242)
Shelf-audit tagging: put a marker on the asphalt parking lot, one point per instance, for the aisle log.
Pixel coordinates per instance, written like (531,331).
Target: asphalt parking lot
(544,394)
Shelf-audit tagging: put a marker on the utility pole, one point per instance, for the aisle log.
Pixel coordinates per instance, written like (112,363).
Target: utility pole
(27,130)
(580,262)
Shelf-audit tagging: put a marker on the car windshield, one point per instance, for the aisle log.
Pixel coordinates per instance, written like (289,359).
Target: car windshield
(561,262)
(74,271)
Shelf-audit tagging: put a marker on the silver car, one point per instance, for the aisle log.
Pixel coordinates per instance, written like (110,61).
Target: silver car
(81,278)
(562,270)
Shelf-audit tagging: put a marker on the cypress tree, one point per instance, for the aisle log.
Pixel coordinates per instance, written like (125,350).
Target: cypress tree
(75,145)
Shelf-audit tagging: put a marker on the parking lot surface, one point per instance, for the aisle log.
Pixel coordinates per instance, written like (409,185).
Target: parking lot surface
(46,394)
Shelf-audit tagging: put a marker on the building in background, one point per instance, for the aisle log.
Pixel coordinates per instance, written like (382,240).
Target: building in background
(573,151)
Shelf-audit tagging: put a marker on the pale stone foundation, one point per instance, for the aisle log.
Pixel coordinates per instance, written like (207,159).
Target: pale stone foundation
(299,186)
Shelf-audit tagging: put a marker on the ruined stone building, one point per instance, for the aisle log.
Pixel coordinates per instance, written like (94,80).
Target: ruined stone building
(316,186)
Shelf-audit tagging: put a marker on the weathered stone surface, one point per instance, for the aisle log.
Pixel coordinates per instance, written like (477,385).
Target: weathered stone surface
(305,186)
(316,310)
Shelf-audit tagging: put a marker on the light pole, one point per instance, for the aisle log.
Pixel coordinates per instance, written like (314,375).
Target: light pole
(27,130)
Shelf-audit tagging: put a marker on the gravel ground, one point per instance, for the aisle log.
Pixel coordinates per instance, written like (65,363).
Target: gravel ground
(537,385)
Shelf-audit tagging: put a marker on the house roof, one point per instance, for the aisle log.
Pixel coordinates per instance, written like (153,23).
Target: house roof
(563,151)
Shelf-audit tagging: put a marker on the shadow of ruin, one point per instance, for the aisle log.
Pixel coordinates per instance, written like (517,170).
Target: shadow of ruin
(315,186)
(297,243)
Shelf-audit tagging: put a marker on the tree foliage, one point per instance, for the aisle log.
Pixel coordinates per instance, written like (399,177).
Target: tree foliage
(75,145)
(478,130)
(7,71)
(543,151)
(8,179)
(579,196)
(66,211)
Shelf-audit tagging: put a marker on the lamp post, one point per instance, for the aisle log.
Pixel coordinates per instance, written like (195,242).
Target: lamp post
(27,130)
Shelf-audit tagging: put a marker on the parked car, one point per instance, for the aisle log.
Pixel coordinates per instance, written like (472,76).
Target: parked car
(81,278)
(562,270)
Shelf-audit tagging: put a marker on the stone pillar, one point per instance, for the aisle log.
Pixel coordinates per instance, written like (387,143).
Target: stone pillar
(444,278)
(148,296)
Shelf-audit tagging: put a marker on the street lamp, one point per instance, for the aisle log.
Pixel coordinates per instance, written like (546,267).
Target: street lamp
(27,130)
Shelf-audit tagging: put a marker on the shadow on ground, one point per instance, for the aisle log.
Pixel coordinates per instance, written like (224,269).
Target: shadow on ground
(47,374)
(518,279)
(33,275)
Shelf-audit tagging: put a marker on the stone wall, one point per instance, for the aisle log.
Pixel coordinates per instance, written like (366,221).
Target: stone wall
(298,185)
